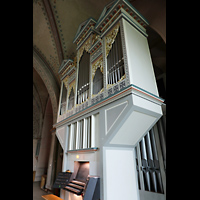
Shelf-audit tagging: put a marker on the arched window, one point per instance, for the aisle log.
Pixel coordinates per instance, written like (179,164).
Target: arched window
(83,78)
(97,81)
(63,100)
(71,100)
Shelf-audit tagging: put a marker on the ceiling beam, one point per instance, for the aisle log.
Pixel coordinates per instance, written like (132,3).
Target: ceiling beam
(54,29)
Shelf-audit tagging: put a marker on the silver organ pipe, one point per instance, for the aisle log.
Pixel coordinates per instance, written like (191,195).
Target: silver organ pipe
(148,144)
(117,61)
(115,64)
(145,163)
(150,161)
(120,54)
(156,162)
(83,78)
(162,141)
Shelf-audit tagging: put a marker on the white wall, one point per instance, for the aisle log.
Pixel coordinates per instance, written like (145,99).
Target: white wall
(120,177)
(139,60)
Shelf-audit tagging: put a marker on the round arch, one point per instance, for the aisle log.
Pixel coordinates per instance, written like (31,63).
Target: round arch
(49,82)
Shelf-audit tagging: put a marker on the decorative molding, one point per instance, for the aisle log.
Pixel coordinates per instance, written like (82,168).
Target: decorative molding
(86,46)
(84,29)
(118,7)
(116,92)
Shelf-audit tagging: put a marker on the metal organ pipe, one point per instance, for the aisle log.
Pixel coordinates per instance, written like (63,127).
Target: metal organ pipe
(162,141)
(115,65)
(83,78)
(156,162)
(117,58)
(148,142)
(150,161)
(144,163)
(121,58)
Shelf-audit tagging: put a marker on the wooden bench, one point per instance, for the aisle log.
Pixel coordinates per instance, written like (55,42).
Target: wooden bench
(51,197)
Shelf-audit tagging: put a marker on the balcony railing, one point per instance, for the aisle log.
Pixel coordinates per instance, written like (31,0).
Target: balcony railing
(84,100)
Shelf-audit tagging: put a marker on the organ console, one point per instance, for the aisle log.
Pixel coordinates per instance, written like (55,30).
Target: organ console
(90,190)
(82,183)
(75,187)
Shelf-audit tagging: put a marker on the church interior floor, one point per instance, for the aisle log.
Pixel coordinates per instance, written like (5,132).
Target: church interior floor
(38,192)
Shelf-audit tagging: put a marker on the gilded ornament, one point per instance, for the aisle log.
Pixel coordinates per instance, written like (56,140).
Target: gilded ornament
(86,46)
(65,81)
(110,38)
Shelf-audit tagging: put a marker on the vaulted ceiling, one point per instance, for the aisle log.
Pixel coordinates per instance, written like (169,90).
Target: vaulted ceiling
(55,23)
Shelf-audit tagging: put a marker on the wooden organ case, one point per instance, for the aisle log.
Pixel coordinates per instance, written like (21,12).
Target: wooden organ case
(109,97)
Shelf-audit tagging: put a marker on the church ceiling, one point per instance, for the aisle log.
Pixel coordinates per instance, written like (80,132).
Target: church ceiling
(43,39)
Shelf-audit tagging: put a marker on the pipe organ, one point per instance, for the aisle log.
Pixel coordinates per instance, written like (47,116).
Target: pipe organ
(109,104)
